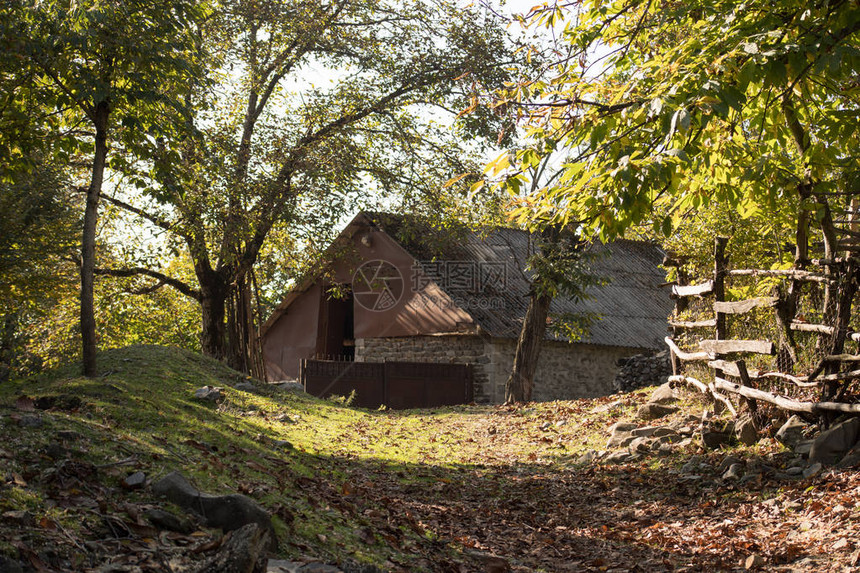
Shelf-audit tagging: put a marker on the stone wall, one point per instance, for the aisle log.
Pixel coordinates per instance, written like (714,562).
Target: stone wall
(642,370)
(460,349)
(566,371)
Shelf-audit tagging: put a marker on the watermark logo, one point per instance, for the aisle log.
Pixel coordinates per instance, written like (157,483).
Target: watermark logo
(377,285)
(462,277)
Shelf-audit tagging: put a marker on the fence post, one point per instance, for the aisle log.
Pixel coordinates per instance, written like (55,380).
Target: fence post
(720,267)
(680,306)
(385,397)
(303,378)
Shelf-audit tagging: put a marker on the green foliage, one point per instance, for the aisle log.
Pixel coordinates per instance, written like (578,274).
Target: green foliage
(46,334)
(671,107)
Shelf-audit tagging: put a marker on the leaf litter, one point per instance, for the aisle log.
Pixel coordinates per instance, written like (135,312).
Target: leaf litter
(468,488)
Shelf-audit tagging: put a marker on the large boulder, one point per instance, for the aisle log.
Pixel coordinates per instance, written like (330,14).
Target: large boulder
(746,431)
(832,445)
(792,431)
(228,512)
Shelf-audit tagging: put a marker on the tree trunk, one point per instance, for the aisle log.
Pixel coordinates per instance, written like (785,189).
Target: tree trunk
(213,302)
(521,381)
(88,241)
(242,341)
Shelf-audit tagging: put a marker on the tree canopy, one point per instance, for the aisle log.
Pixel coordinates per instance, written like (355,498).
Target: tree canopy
(666,107)
(312,105)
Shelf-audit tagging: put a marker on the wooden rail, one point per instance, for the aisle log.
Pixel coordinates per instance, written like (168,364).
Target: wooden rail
(744,306)
(834,372)
(693,290)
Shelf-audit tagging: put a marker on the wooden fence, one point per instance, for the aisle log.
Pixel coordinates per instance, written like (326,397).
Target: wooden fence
(801,365)
(397,385)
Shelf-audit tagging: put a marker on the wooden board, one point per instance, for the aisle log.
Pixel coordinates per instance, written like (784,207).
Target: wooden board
(744,306)
(710,323)
(806,327)
(788,274)
(693,290)
(730,346)
(685,356)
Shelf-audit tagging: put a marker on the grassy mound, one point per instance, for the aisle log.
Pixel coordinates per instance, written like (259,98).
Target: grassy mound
(141,415)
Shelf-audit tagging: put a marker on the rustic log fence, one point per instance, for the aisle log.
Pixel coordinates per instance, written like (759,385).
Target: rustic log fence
(739,344)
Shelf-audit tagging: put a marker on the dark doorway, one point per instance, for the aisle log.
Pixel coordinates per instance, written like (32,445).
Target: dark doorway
(336,334)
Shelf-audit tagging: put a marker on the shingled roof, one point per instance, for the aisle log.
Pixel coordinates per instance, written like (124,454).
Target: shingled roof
(633,307)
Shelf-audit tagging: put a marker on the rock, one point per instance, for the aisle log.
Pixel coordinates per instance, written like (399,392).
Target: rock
(243,552)
(664,432)
(245,387)
(851,459)
(63,402)
(56,451)
(318,568)
(619,432)
(134,481)
(30,421)
(832,445)
(685,442)
(727,462)
(70,436)
(282,566)
(640,445)
(713,439)
(664,394)
(794,471)
(664,450)
(607,407)
(803,448)
(652,411)
(289,386)
(8,565)
(210,393)
(228,512)
(617,457)
(623,427)
(19,517)
(746,431)
(813,470)
(166,520)
(792,431)
(754,562)
(692,465)
(644,431)
(734,472)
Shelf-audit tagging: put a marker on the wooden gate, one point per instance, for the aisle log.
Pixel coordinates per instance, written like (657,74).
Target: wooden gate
(397,385)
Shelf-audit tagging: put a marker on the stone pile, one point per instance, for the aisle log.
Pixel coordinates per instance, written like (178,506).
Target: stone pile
(642,370)
(807,454)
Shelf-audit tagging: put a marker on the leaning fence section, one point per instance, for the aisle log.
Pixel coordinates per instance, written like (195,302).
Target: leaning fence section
(784,337)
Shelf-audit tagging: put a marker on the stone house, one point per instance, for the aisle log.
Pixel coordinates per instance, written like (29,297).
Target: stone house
(413,293)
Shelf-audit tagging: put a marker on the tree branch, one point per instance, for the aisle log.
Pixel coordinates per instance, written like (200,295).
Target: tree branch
(157,221)
(137,271)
